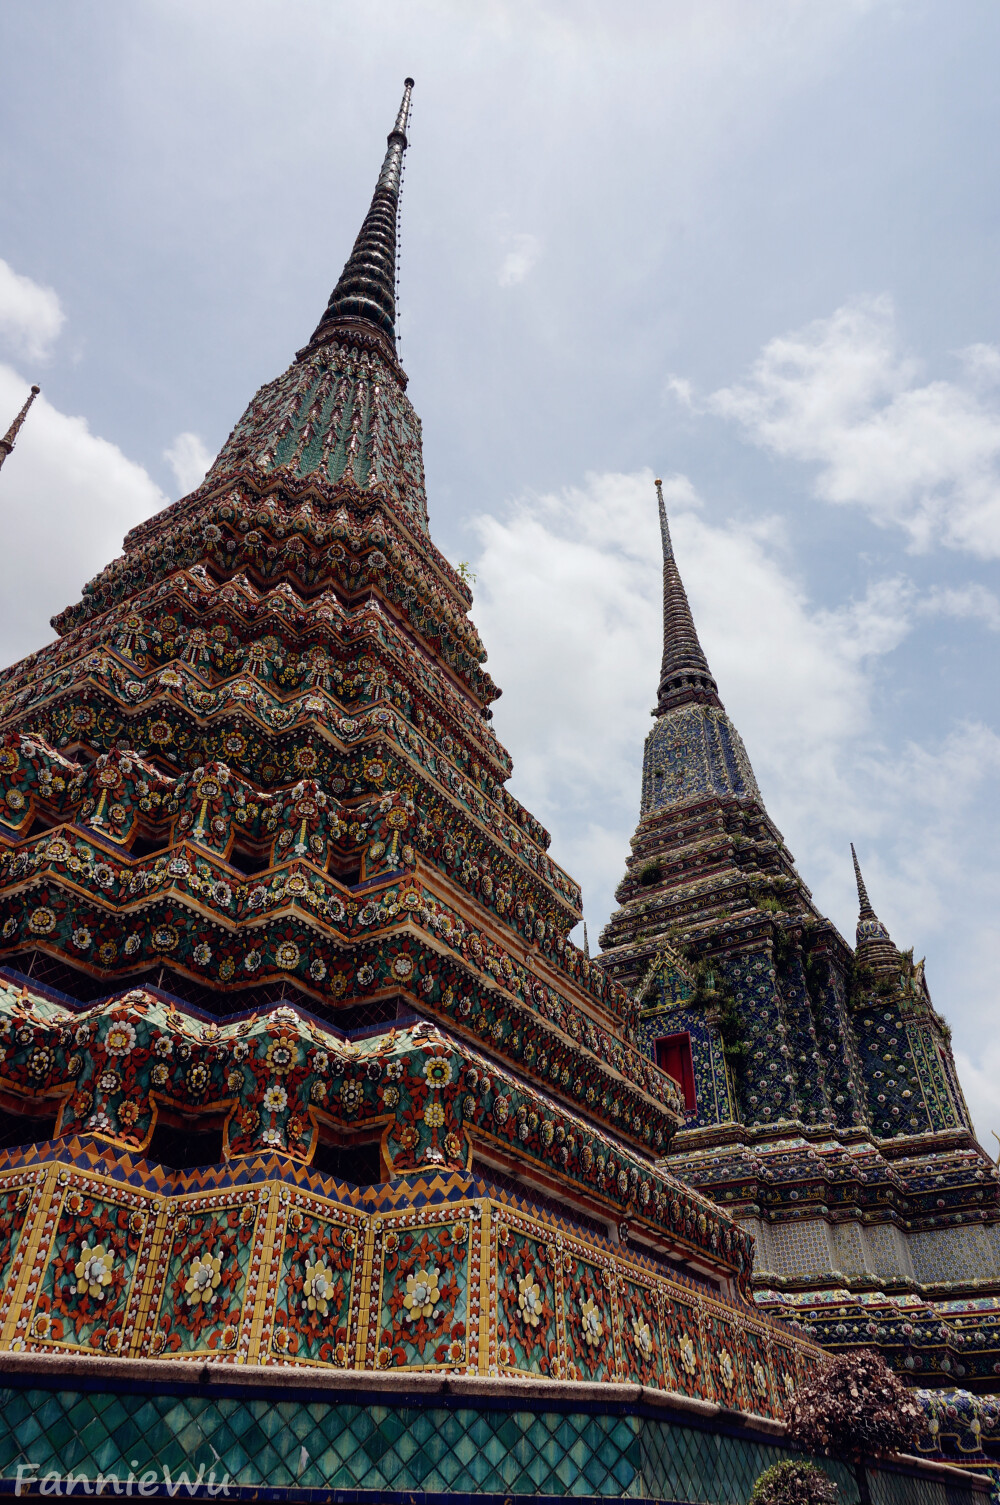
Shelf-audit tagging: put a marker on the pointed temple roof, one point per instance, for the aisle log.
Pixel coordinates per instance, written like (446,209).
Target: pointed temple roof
(865,904)
(693,749)
(340,413)
(874,945)
(684,672)
(366,291)
(9,438)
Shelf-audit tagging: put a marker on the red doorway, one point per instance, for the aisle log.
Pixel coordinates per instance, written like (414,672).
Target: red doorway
(673,1055)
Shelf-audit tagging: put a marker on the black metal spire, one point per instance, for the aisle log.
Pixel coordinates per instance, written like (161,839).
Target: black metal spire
(684,672)
(864,903)
(873,944)
(366,292)
(7,442)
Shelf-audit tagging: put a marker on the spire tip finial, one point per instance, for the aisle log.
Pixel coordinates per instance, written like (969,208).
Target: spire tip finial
(7,442)
(871,932)
(365,294)
(684,672)
(863,899)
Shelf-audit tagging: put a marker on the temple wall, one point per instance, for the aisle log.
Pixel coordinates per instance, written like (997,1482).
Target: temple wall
(971,1252)
(255,1436)
(244,1435)
(262,1262)
(815,1248)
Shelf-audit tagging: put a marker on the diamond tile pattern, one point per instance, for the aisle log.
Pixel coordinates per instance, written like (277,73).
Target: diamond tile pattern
(302,1444)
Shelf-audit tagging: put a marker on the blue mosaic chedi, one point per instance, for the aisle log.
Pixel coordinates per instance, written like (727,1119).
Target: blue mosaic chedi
(822,1103)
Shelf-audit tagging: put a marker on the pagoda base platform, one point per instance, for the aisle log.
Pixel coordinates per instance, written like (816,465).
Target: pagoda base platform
(72,1425)
(860,1242)
(262,1260)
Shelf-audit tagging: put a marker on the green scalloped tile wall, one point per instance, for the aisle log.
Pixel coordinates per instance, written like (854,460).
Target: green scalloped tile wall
(314,1445)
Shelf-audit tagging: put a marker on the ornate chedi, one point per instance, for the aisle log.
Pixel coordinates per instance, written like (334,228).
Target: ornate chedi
(298,1065)
(822,1106)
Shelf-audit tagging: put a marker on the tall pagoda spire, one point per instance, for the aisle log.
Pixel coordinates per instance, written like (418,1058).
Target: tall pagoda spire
(340,414)
(366,290)
(684,673)
(874,945)
(864,903)
(9,438)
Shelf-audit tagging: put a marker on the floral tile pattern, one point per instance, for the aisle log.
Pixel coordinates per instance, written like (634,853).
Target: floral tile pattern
(312,1318)
(640,1333)
(276,1268)
(425,1289)
(527,1331)
(207,1263)
(84,1295)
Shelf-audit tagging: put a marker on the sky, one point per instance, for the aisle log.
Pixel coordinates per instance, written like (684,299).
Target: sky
(745,245)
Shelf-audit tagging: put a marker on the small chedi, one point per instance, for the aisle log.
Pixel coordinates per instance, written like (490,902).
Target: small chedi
(301,1073)
(822,1106)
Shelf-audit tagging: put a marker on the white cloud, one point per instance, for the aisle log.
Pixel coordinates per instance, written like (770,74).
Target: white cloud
(31,316)
(68,498)
(521,257)
(841,394)
(981,363)
(568,599)
(189,460)
(980,1079)
(970,602)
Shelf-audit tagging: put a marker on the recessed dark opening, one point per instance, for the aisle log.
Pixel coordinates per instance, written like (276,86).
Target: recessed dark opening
(20,1128)
(673,1055)
(37,826)
(248,862)
(146,846)
(184,1149)
(361,1164)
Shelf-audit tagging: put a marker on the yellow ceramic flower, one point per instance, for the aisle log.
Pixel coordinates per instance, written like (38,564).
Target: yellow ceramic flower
(422,1293)
(726,1369)
(317,1288)
(438,1071)
(760,1379)
(593,1327)
(93,1270)
(283,1053)
(529,1299)
(689,1358)
(203,1282)
(643,1337)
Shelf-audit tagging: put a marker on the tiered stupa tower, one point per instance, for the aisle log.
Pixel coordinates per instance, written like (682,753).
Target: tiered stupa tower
(822,1104)
(299,1065)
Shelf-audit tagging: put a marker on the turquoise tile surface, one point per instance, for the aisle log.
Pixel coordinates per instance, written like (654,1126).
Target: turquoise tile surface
(310,1445)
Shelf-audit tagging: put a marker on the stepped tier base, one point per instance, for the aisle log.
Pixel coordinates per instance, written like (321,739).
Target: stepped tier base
(263,1260)
(893,1245)
(208,1430)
